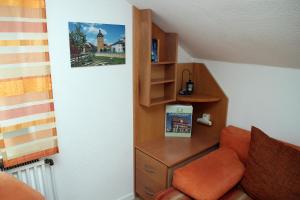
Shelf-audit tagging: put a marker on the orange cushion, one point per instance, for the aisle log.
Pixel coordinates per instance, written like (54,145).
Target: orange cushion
(211,176)
(13,189)
(236,139)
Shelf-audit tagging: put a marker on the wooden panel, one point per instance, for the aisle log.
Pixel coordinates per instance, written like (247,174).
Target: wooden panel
(206,84)
(158,71)
(172,46)
(157,91)
(170,90)
(181,81)
(170,71)
(148,122)
(142,51)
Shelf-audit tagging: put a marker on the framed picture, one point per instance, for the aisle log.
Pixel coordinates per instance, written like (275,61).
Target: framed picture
(178,121)
(93,44)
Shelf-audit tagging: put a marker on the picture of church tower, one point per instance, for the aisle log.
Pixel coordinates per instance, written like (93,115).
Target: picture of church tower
(100,42)
(93,44)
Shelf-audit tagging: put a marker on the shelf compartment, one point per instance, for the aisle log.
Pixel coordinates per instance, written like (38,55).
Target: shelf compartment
(163,71)
(198,98)
(162,93)
(167,44)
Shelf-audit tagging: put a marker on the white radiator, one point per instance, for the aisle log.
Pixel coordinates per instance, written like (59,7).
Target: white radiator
(39,175)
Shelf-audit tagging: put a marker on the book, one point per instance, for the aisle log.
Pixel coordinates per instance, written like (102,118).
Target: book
(154,50)
(178,120)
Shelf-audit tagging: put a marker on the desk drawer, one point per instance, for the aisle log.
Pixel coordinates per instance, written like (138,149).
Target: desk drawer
(151,167)
(147,187)
(150,176)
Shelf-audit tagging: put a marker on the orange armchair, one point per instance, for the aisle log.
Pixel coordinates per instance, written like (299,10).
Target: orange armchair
(13,189)
(217,175)
(213,175)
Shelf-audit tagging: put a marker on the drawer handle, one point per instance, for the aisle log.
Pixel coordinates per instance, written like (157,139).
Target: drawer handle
(148,191)
(149,169)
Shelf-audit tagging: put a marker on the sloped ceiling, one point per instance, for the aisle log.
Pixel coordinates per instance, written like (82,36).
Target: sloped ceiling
(265,32)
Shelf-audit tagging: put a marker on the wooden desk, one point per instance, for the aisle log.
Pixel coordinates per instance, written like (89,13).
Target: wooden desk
(157,159)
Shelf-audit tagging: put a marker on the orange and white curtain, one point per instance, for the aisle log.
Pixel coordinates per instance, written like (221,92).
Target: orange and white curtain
(27,122)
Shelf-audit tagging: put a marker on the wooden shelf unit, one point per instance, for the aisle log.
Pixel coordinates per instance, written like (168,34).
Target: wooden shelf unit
(156,84)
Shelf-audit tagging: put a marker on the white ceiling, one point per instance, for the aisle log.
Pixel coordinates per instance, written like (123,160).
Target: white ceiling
(265,32)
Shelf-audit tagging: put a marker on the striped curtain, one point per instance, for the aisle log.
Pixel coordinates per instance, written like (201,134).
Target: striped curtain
(27,122)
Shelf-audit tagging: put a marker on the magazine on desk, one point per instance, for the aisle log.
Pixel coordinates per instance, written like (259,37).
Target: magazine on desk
(178,120)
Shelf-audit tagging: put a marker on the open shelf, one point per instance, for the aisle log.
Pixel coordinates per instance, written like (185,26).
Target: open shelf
(162,93)
(161,81)
(167,45)
(161,100)
(198,98)
(163,62)
(163,71)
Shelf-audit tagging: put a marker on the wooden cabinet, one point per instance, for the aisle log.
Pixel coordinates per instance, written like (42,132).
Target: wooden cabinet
(155,85)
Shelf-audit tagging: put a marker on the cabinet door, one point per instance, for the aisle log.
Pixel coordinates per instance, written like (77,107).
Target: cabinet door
(151,176)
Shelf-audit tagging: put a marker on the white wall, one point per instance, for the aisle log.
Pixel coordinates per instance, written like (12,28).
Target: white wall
(93,107)
(263,96)
(183,56)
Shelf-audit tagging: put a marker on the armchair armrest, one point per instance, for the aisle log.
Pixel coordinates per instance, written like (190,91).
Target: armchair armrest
(211,176)
(236,139)
(13,189)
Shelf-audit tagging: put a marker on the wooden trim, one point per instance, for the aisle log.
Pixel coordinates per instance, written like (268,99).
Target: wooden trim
(198,98)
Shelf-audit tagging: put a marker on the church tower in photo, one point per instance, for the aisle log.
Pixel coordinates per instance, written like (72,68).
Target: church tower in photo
(100,42)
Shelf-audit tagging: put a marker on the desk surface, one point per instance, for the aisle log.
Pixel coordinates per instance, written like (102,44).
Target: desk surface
(171,151)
